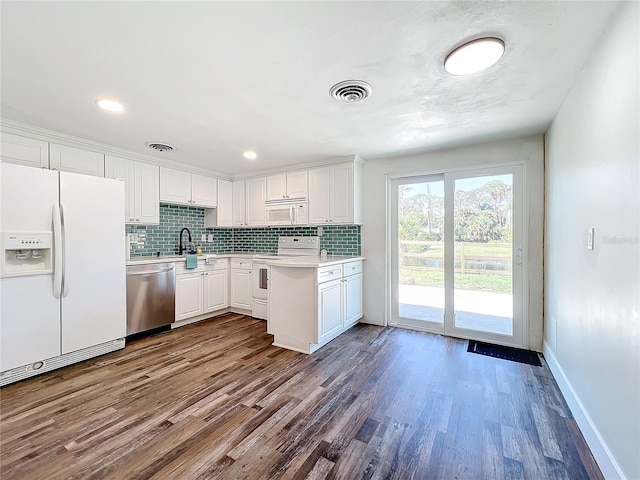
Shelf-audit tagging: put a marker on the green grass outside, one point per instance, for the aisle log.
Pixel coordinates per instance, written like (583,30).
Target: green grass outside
(482,282)
(436,249)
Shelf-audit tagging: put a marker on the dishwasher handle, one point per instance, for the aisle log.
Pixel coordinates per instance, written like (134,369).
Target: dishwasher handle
(151,272)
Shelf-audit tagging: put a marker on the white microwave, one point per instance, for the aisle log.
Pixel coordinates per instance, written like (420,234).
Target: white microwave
(287,212)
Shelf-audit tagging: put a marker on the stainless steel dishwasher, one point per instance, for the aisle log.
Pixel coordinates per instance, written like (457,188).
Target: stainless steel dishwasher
(151,296)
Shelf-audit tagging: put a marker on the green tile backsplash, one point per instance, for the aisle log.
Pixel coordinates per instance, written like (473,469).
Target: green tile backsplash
(163,238)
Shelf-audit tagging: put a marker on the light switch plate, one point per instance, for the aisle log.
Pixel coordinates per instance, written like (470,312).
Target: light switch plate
(204,237)
(590,234)
(210,237)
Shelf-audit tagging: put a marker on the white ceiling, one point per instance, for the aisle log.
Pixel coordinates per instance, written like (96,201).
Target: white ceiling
(216,78)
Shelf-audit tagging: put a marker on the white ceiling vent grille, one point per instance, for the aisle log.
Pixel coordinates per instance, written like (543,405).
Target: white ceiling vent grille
(160,147)
(350,91)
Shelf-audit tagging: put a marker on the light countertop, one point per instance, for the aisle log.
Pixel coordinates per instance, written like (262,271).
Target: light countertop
(310,261)
(301,262)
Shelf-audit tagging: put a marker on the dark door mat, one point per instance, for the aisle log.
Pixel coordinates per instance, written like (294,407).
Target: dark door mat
(506,353)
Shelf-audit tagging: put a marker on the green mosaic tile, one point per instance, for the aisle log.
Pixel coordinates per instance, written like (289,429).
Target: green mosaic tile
(163,238)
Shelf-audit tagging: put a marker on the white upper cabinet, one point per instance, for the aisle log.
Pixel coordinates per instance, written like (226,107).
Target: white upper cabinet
(297,184)
(224,211)
(287,185)
(319,196)
(24,151)
(75,160)
(125,170)
(341,183)
(175,186)
(142,199)
(204,191)
(277,186)
(334,194)
(147,193)
(184,188)
(238,207)
(256,192)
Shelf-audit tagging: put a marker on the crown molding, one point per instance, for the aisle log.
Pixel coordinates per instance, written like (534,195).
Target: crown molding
(302,166)
(25,130)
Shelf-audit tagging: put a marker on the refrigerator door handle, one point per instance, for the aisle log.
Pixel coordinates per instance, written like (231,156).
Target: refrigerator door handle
(57,251)
(65,285)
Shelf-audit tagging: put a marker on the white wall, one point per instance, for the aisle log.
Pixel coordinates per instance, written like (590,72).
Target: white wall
(592,297)
(528,150)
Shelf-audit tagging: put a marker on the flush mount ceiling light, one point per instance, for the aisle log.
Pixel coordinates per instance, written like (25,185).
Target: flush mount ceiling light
(474,56)
(351,91)
(160,147)
(250,155)
(110,105)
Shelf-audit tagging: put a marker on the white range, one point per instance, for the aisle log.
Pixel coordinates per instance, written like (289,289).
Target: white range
(294,246)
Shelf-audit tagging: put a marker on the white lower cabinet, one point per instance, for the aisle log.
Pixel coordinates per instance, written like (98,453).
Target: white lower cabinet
(189,295)
(339,301)
(241,283)
(329,309)
(215,290)
(201,290)
(352,298)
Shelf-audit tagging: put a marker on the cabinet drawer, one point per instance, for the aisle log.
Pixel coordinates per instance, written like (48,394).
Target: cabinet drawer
(326,274)
(217,264)
(351,268)
(241,263)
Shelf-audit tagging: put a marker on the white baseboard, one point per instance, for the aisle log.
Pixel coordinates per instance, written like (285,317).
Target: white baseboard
(599,449)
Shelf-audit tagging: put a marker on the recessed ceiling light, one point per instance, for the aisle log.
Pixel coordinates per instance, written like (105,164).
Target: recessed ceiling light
(474,56)
(110,105)
(250,155)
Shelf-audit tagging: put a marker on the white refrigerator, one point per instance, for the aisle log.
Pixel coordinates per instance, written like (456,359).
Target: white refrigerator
(63,275)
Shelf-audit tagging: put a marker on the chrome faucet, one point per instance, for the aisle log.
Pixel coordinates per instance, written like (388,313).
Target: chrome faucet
(181,247)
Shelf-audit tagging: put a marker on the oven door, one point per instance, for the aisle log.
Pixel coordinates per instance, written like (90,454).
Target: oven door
(259,281)
(259,285)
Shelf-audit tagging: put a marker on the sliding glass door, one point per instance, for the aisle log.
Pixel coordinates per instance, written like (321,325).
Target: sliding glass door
(456,265)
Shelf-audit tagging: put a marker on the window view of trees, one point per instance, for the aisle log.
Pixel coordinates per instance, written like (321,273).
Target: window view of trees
(482,230)
(482,214)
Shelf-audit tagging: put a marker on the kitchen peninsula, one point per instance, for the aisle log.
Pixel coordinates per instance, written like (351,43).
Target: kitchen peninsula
(313,300)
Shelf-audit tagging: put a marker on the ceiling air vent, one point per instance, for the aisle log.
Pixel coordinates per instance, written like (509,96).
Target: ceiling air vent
(160,147)
(350,91)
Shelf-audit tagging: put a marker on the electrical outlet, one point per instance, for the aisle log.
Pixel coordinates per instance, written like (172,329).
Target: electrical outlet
(590,233)
(211,238)
(203,238)
(319,233)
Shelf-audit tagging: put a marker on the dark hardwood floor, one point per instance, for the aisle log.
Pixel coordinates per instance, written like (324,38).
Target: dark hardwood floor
(216,400)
